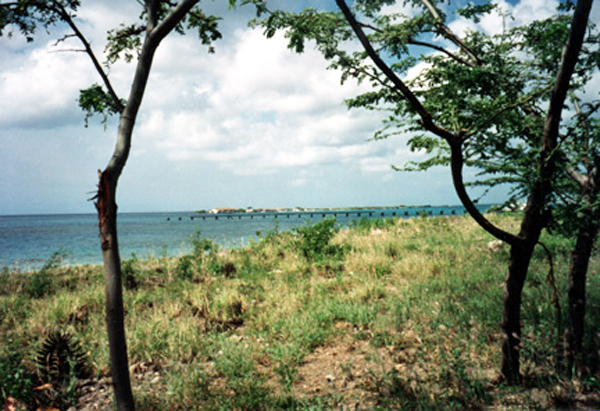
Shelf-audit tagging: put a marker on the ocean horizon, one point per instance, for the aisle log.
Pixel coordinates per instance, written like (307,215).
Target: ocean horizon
(28,241)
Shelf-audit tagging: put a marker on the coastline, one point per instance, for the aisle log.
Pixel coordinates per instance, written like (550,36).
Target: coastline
(27,242)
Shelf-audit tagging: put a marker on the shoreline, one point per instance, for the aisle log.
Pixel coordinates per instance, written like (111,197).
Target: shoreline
(27,242)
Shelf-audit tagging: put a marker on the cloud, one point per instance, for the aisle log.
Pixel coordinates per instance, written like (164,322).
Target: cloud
(254,121)
(41,91)
(265,109)
(521,13)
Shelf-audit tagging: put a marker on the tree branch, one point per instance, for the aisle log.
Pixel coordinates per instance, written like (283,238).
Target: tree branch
(171,20)
(424,44)
(426,118)
(456,165)
(563,78)
(64,38)
(454,140)
(446,32)
(443,50)
(586,160)
(575,175)
(521,104)
(152,11)
(57,7)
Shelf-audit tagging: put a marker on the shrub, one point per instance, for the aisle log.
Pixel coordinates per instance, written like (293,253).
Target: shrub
(202,246)
(42,282)
(15,381)
(368,224)
(185,267)
(313,240)
(130,273)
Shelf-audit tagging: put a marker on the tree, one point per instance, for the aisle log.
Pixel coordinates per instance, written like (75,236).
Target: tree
(579,207)
(139,41)
(470,98)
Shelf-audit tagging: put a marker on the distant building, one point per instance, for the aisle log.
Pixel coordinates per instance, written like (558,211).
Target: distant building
(221,210)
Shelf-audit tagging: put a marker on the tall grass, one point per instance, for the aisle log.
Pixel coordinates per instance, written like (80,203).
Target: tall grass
(385,314)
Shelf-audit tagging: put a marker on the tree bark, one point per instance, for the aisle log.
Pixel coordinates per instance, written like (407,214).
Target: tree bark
(573,349)
(518,264)
(115,316)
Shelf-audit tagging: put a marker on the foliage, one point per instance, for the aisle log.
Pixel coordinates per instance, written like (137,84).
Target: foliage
(28,16)
(313,241)
(42,282)
(202,245)
(367,224)
(491,90)
(15,380)
(94,100)
(129,273)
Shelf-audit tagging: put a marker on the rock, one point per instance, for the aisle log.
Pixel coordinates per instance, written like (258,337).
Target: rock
(495,245)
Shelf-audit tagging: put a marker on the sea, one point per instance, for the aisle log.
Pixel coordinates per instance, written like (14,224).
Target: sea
(29,241)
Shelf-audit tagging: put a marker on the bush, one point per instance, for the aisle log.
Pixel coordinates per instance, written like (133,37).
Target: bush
(313,240)
(42,282)
(130,273)
(185,267)
(202,245)
(15,381)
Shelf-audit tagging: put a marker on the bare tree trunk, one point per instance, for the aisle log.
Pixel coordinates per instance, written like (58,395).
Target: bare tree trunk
(574,331)
(518,264)
(115,321)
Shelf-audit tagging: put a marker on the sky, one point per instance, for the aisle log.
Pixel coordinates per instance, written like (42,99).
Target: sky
(252,125)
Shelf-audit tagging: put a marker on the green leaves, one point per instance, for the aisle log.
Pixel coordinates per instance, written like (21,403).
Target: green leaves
(476,11)
(206,26)
(28,15)
(95,100)
(124,42)
(314,240)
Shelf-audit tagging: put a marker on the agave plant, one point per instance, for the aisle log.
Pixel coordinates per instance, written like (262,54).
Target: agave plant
(60,359)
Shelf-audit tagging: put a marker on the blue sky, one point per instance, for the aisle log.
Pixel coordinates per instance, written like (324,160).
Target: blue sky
(252,125)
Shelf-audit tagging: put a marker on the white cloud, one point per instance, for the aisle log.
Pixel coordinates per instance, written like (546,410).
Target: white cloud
(521,13)
(42,90)
(265,109)
(254,116)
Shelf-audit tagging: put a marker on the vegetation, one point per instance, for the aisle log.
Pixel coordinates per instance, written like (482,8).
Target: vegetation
(157,20)
(387,314)
(493,102)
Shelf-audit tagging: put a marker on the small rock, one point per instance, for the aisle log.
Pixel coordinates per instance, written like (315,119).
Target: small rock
(330,378)
(495,245)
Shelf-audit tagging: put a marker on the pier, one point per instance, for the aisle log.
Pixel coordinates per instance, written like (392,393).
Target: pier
(343,214)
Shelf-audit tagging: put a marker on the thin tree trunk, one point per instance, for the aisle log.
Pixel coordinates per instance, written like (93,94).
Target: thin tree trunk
(518,264)
(115,319)
(107,205)
(574,331)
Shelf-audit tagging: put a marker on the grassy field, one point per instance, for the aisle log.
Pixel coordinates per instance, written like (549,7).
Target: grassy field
(388,314)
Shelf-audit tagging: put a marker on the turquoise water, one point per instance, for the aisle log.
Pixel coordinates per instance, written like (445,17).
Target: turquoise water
(26,242)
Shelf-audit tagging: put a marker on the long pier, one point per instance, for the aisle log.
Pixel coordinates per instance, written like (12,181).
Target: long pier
(358,213)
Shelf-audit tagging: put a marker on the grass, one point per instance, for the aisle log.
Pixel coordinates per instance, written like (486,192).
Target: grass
(388,314)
